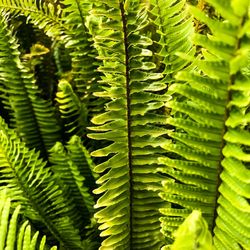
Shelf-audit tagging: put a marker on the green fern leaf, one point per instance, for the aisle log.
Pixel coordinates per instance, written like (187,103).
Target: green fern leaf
(29,112)
(69,173)
(192,234)
(209,145)
(175,29)
(41,14)
(32,185)
(65,22)
(13,235)
(81,158)
(80,44)
(73,112)
(129,183)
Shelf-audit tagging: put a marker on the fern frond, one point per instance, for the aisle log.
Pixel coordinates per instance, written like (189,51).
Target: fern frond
(22,98)
(192,233)
(13,234)
(233,202)
(32,185)
(80,157)
(69,174)
(80,44)
(72,110)
(210,143)
(68,24)
(129,183)
(41,14)
(175,28)
(62,59)
(15,95)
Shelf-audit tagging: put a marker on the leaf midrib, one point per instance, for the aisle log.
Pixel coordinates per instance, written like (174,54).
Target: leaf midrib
(126,44)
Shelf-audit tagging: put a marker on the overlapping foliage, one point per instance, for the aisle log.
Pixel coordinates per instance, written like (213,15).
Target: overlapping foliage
(211,142)
(162,105)
(10,227)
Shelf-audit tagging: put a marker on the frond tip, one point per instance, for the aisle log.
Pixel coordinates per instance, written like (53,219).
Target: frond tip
(68,172)
(193,233)
(72,110)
